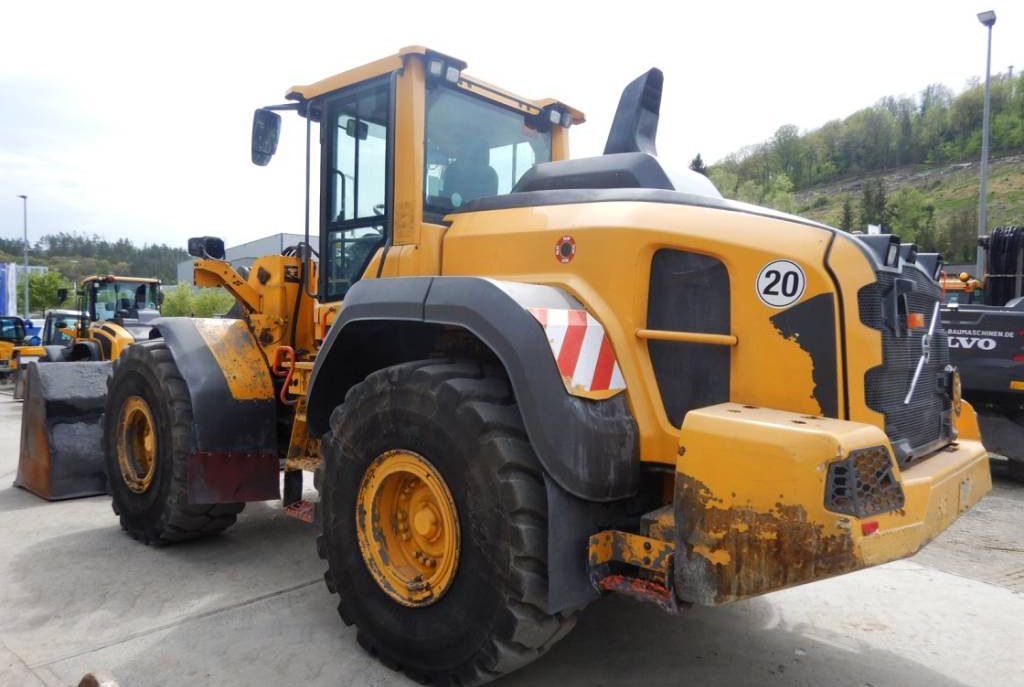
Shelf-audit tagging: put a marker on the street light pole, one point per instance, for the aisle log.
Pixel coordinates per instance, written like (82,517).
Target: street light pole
(24,220)
(987,19)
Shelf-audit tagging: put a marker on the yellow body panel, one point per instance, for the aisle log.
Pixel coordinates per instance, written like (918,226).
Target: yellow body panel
(6,354)
(770,370)
(111,337)
(21,353)
(239,358)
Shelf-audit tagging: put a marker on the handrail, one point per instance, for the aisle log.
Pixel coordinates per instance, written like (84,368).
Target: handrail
(688,337)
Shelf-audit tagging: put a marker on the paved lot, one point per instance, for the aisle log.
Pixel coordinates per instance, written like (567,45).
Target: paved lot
(249,607)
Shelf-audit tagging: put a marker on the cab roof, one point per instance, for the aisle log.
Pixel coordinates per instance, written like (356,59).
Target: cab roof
(114,277)
(391,63)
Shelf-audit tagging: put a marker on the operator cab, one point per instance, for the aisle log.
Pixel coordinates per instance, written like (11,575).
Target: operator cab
(381,210)
(121,299)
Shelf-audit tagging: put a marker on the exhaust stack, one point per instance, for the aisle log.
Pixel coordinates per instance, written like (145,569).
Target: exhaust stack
(636,119)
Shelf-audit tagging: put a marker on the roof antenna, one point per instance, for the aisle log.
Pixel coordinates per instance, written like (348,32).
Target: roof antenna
(636,120)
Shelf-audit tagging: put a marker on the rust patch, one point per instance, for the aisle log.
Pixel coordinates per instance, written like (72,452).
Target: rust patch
(642,590)
(727,554)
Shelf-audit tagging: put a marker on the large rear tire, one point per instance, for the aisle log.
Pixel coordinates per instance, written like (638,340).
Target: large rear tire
(147,436)
(454,423)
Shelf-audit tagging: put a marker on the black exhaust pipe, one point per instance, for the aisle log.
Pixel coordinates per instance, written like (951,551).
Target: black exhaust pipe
(636,119)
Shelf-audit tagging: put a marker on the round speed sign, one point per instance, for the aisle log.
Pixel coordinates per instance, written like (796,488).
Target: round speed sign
(781,283)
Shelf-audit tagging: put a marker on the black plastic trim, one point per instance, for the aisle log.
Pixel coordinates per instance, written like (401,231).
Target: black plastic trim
(590,448)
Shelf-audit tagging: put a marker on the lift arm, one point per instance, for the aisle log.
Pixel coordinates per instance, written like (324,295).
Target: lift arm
(213,273)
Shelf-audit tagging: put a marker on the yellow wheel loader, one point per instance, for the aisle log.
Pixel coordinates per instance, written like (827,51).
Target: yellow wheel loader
(63,383)
(524,381)
(12,335)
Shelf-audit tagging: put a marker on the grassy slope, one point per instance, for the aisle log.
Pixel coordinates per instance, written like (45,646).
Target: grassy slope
(950,187)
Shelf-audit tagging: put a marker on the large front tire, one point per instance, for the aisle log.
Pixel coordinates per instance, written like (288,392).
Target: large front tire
(460,421)
(147,438)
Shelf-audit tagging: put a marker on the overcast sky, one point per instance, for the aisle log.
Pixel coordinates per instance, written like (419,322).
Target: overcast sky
(129,121)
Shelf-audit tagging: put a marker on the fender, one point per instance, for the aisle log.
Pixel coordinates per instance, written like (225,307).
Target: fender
(234,431)
(590,448)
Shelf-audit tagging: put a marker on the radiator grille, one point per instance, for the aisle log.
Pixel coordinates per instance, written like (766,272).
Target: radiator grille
(925,421)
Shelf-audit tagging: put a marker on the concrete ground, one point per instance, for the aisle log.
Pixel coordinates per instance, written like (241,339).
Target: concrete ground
(250,607)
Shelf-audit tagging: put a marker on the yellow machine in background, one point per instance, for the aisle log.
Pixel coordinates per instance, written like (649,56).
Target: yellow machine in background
(523,381)
(64,388)
(963,288)
(12,335)
(115,312)
(58,332)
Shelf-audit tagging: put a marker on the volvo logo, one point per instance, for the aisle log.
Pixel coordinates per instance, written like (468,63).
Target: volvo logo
(972,342)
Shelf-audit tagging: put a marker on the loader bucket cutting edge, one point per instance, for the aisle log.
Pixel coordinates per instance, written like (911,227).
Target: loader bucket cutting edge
(61,453)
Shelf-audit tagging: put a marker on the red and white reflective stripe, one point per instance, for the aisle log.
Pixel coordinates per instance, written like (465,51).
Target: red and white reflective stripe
(581,348)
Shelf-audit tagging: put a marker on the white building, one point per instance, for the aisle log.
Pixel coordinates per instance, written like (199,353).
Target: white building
(244,254)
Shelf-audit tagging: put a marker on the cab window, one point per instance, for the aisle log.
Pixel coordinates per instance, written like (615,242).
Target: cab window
(12,329)
(475,148)
(355,158)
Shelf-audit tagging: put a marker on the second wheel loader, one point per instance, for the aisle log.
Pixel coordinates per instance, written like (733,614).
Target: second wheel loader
(63,383)
(524,381)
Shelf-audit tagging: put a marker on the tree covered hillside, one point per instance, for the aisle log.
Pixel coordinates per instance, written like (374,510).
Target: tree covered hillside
(907,162)
(76,256)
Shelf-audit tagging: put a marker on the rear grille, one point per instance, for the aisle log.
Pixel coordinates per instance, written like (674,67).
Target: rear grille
(917,427)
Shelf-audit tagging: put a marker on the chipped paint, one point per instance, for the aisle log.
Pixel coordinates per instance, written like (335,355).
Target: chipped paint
(239,358)
(727,554)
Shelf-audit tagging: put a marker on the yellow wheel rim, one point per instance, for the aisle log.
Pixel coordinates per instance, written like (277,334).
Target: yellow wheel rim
(408,528)
(136,444)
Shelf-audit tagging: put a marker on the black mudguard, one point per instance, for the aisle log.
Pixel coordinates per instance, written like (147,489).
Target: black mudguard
(235,455)
(589,448)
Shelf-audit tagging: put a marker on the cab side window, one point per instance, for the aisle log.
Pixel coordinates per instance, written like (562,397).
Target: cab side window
(356,159)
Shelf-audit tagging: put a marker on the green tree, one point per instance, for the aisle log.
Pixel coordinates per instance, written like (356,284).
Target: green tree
(962,235)
(179,301)
(186,301)
(846,220)
(874,204)
(697,165)
(211,302)
(42,290)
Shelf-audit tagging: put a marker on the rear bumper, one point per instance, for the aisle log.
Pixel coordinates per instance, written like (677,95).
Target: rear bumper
(938,490)
(752,511)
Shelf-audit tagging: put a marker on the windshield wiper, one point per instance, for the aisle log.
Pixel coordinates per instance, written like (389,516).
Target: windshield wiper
(926,353)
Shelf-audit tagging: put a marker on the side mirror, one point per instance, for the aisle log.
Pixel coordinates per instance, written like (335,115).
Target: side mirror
(159,298)
(62,295)
(266,129)
(356,129)
(206,247)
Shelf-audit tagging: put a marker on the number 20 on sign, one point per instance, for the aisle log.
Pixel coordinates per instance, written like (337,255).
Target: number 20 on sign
(781,283)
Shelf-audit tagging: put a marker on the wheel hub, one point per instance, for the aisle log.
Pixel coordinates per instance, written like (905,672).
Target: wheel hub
(136,444)
(408,528)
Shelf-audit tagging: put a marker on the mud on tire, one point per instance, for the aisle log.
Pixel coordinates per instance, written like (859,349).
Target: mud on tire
(162,513)
(462,418)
